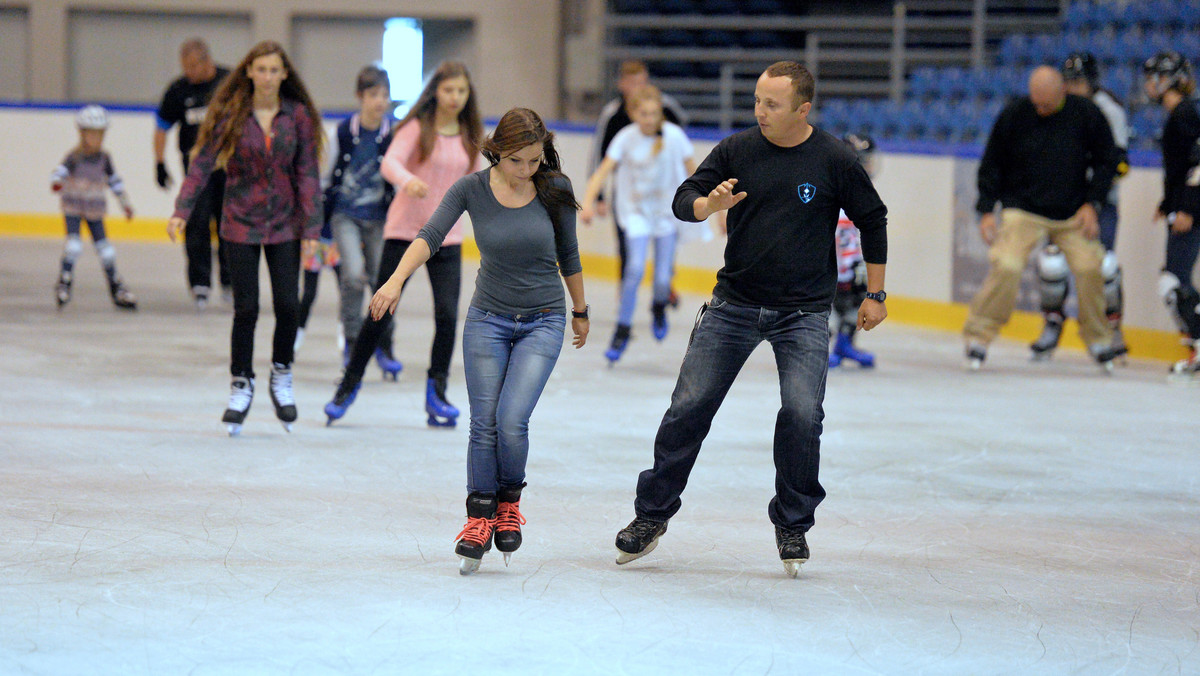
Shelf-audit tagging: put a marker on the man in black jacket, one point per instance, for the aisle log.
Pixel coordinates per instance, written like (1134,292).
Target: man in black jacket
(1049,162)
(783,183)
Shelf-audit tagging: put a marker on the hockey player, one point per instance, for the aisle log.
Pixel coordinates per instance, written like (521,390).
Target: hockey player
(1170,83)
(1082,77)
(852,271)
(81,179)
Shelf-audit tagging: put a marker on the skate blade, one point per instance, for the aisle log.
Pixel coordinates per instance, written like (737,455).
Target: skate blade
(1041,356)
(434,421)
(234,429)
(507,558)
(287,426)
(625,557)
(974,365)
(468,565)
(792,566)
(389,375)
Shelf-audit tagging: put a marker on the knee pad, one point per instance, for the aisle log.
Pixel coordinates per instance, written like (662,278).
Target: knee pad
(1052,277)
(106,252)
(72,248)
(1111,270)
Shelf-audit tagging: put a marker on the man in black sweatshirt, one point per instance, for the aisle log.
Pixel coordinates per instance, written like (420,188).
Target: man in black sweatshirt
(1049,162)
(783,184)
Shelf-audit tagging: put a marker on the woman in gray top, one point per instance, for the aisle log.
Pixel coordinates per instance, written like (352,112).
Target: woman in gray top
(523,214)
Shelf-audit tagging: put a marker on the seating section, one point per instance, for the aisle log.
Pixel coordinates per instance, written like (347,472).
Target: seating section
(954,104)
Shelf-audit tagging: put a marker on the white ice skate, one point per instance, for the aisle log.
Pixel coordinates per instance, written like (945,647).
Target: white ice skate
(241,395)
(281,395)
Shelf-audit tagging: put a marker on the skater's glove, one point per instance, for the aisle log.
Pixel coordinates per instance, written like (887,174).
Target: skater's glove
(162,176)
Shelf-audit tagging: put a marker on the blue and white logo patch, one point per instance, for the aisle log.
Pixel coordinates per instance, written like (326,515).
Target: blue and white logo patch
(807,191)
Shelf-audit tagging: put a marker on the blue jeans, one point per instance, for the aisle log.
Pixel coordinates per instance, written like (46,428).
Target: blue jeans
(637,249)
(722,340)
(507,361)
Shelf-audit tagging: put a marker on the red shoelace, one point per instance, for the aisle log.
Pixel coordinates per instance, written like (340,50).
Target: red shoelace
(477,530)
(508,516)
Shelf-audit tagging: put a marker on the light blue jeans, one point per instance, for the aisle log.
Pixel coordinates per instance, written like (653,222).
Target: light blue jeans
(360,243)
(507,361)
(638,249)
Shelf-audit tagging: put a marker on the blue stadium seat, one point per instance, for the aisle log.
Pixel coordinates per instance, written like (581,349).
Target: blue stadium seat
(673,37)
(716,38)
(761,39)
(923,82)
(1079,16)
(633,6)
(675,6)
(635,37)
(763,7)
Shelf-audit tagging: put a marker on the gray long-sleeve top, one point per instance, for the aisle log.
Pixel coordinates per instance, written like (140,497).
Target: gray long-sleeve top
(521,255)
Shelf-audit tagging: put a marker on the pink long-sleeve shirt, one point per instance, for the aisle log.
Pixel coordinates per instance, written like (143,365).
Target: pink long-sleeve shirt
(446,164)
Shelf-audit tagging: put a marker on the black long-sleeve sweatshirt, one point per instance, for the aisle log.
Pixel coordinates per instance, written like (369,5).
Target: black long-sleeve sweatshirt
(780,252)
(1040,164)
(1180,154)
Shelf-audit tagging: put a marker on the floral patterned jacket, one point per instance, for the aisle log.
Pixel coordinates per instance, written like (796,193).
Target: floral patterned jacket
(272,190)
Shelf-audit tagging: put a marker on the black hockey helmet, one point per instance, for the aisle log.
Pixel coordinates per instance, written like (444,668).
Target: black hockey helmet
(1082,66)
(1168,70)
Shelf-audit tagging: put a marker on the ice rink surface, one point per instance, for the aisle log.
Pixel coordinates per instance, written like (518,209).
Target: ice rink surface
(1030,518)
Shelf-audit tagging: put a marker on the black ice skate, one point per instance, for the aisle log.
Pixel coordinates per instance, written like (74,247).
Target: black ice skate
(793,549)
(281,395)
(1043,348)
(62,290)
(975,355)
(476,536)
(509,521)
(1104,356)
(121,296)
(241,394)
(638,539)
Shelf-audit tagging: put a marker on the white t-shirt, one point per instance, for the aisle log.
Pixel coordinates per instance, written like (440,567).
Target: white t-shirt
(645,182)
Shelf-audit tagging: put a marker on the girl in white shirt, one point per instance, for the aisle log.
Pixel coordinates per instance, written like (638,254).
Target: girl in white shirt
(651,158)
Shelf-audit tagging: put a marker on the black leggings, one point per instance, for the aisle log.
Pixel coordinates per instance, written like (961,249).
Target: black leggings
(445,279)
(283,266)
(312,280)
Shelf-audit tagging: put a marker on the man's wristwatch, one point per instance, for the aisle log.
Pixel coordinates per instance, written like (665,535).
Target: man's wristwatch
(581,315)
(876,295)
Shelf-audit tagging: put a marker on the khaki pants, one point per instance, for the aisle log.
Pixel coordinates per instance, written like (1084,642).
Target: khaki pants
(1018,233)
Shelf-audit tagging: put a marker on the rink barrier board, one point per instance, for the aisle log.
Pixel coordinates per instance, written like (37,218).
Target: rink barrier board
(946,316)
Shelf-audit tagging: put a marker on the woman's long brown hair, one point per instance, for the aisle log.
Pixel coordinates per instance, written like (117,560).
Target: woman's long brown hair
(424,111)
(520,128)
(231,105)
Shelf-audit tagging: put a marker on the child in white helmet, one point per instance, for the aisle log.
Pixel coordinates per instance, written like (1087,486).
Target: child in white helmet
(81,179)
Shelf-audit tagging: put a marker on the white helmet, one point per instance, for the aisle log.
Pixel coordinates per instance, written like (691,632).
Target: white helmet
(92,117)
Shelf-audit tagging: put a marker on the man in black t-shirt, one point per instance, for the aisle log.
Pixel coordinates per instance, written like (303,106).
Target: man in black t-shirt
(783,184)
(185,103)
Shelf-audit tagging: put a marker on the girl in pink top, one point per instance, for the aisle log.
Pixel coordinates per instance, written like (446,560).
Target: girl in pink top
(436,144)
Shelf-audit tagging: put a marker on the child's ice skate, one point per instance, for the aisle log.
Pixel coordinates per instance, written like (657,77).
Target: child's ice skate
(1186,371)
(843,348)
(121,296)
(620,341)
(241,395)
(62,290)
(441,413)
(638,539)
(659,323)
(476,536)
(1104,356)
(282,396)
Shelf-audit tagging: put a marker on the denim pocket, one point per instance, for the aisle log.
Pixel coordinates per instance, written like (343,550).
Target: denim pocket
(474,314)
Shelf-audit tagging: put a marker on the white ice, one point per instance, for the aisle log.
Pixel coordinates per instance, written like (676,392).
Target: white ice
(1029,518)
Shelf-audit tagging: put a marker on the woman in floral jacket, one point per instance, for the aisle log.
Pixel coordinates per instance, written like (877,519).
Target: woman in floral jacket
(264,131)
